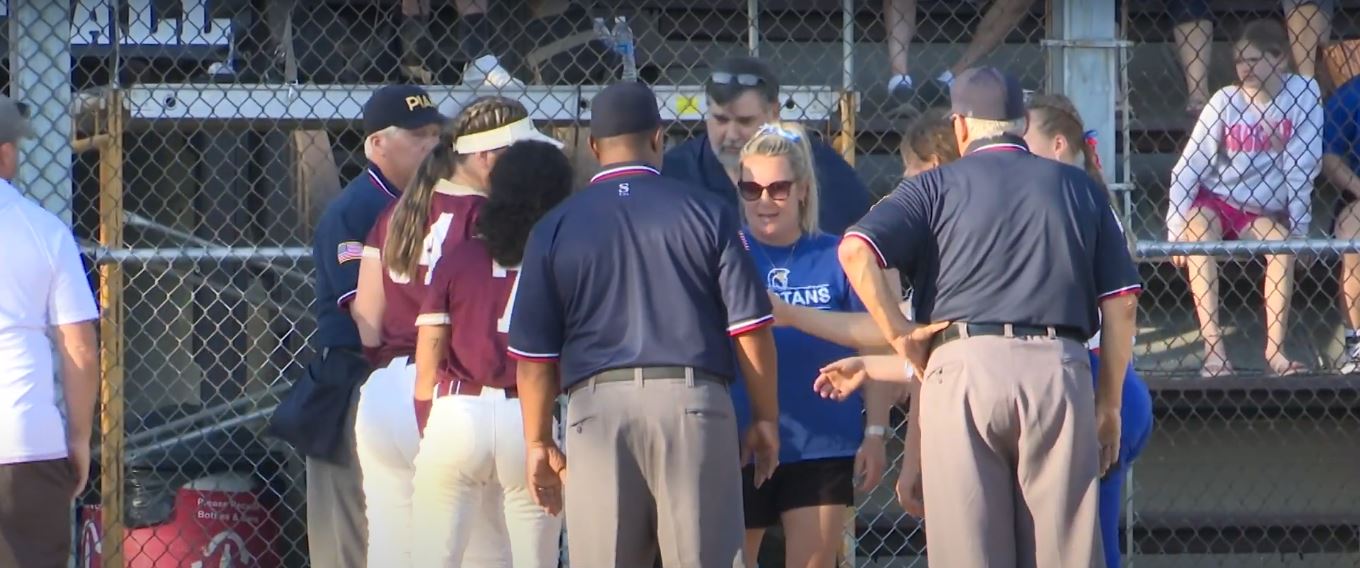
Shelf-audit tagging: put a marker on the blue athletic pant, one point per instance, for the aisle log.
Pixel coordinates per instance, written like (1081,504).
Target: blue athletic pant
(1135,427)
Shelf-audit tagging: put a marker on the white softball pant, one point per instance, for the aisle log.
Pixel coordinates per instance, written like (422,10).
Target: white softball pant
(387,438)
(472,444)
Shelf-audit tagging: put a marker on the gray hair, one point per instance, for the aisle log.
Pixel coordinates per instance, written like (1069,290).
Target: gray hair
(979,128)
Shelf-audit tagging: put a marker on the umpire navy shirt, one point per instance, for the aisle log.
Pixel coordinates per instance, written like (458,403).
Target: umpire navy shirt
(636,270)
(843,197)
(1003,236)
(337,250)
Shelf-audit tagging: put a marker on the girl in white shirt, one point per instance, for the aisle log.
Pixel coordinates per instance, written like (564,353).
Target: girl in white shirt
(1248,170)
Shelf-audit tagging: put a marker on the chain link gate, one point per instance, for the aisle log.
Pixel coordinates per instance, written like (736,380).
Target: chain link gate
(208,135)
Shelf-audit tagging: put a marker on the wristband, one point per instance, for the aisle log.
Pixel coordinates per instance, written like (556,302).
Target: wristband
(875,431)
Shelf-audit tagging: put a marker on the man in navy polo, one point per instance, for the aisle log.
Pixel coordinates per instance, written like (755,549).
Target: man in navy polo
(638,287)
(1025,257)
(743,94)
(402,125)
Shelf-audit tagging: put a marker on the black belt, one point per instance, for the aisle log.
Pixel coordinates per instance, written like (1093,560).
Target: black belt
(628,374)
(964,330)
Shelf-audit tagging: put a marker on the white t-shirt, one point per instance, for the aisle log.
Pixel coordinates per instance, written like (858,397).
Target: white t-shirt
(1262,160)
(42,284)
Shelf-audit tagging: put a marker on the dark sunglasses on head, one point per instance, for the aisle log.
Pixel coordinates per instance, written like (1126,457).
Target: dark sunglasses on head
(751,191)
(743,79)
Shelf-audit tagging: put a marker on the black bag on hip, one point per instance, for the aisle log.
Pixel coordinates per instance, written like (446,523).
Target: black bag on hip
(314,414)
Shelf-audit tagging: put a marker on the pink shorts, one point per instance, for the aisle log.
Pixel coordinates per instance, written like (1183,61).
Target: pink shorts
(1232,220)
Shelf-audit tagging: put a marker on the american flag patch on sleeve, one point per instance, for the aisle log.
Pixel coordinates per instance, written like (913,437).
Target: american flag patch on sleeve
(349,250)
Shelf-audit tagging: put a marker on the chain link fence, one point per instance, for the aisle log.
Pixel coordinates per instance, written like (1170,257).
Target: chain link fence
(1241,468)
(193,143)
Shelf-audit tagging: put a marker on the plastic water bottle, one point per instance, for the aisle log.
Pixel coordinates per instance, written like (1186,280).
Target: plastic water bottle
(627,49)
(603,34)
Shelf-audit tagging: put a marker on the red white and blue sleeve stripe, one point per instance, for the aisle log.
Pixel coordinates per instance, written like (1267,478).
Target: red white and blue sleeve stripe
(749,325)
(521,355)
(1122,291)
(878,254)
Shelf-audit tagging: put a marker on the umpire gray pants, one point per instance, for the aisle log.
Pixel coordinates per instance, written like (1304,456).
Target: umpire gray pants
(1009,454)
(653,466)
(337,531)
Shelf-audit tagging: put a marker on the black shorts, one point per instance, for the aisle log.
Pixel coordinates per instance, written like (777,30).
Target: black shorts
(811,483)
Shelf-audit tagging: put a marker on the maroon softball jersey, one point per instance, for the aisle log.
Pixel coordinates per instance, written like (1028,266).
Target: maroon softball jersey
(452,217)
(476,294)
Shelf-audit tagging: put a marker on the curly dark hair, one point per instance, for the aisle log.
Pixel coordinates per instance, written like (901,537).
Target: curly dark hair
(528,180)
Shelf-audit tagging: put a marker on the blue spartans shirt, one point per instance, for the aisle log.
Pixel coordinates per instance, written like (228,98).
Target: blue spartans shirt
(810,427)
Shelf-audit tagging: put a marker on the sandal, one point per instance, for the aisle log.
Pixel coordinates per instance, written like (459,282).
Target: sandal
(1222,368)
(1292,369)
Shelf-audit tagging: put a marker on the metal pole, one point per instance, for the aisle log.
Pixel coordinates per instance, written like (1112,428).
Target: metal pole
(1082,64)
(848,45)
(196,434)
(1153,250)
(40,60)
(845,139)
(258,299)
(104,254)
(184,236)
(846,144)
(111,423)
(753,27)
(207,413)
(1126,125)
(1128,515)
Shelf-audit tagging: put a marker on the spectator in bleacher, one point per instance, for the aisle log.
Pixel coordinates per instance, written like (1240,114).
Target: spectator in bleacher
(1309,22)
(743,94)
(1341,165)
(1194,35)
(824,446)
(482,39)
(1001,17)
(1248,170)
(47,312)
(557,34)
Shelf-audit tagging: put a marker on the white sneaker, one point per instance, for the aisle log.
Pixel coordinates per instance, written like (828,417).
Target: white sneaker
(487,71)
(1349,362)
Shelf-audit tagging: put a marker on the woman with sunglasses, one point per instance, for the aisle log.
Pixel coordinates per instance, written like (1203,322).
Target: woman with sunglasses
(1055,132)
(823,445)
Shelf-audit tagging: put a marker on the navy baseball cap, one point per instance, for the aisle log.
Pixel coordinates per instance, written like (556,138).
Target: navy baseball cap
(624,108)
(987,93)
(403,106)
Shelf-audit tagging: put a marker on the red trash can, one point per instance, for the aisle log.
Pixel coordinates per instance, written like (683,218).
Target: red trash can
(219,521)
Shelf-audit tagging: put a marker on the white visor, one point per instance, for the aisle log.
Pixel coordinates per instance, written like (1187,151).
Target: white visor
(517,131)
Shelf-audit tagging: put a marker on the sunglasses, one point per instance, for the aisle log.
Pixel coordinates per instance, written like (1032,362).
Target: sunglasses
(779,131)
(751,191)
(743,79)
